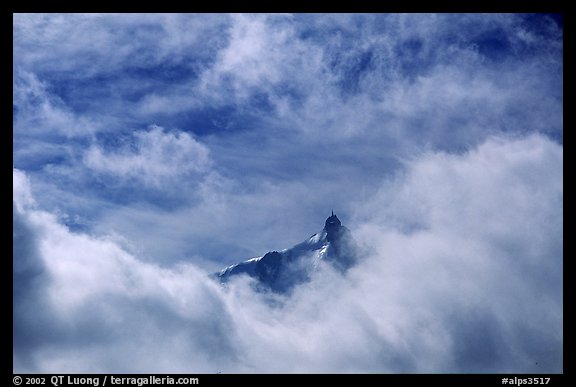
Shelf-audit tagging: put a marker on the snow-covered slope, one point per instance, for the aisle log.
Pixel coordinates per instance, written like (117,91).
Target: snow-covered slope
(282,270)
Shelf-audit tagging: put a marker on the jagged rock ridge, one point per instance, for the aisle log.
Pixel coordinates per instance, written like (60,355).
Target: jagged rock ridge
(280,271)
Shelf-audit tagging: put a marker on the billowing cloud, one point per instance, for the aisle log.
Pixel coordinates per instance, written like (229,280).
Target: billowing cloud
(153,157)
(476,286)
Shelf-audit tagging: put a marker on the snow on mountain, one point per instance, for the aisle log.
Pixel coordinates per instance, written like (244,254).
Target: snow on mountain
(281,270)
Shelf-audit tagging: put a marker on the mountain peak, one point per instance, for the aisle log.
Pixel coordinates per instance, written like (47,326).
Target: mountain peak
(333,227)
(281,270)
(332,221)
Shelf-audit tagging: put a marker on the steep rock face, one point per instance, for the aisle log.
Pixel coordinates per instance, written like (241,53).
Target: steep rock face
(280,271)
(333,228)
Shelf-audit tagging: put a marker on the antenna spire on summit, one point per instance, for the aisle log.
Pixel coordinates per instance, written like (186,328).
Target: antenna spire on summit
(332,212)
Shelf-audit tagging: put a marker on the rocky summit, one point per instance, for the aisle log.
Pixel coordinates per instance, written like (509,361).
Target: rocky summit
(280,271)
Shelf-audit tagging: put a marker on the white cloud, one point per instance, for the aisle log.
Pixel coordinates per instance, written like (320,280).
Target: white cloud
(41,112)
(474,286)
(261,52)
(154,157)
(21,194)
(104,43)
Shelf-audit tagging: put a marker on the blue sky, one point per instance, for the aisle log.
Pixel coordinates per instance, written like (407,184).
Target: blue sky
(151,149)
